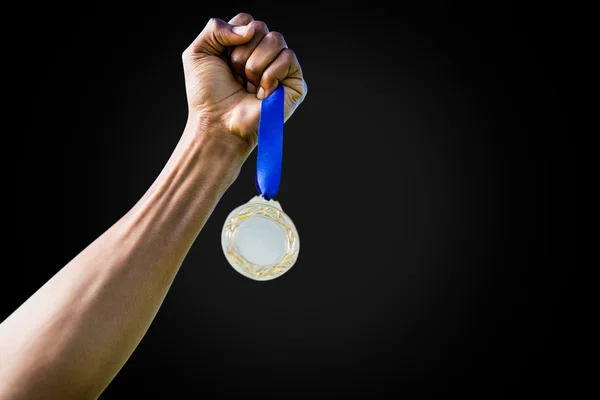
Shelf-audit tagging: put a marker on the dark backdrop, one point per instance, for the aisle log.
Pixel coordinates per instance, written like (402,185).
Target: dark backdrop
(419,172)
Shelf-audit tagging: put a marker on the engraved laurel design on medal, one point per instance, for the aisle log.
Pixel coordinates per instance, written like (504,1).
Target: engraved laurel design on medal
(259,240)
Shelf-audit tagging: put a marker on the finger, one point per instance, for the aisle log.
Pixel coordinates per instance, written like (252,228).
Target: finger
(284,70)
(217,35)
(241,19)
(240,54)
(264,54)
(285,64)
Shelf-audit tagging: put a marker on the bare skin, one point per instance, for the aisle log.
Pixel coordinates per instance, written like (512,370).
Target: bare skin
(71,337)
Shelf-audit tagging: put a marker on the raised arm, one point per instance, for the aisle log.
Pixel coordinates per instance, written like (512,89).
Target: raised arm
(72,336)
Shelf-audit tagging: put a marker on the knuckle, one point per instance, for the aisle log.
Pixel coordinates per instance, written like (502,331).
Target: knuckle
(237,59)
(214,23)
(252,69)
(260,26)
(211,23)
(287,55)
(244,16)
(276,37)
(267,74)
(267,79)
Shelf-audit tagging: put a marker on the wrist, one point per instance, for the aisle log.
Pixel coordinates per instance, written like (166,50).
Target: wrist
(214,143)
(202,126)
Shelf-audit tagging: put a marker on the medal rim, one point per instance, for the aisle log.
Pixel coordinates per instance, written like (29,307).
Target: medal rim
(268,273)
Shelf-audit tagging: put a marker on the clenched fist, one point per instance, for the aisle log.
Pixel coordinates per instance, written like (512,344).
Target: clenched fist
(230,67)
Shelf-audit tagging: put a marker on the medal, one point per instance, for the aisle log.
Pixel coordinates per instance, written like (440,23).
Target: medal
(259,240)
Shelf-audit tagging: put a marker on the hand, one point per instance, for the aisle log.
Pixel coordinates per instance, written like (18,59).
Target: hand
(231,67)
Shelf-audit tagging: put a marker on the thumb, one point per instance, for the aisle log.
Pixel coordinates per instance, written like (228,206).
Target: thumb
(218,34)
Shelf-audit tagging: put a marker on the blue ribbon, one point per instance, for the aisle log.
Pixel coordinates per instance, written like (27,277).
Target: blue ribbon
(270,144)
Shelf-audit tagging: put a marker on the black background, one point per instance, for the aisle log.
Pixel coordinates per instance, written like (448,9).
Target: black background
(420,172)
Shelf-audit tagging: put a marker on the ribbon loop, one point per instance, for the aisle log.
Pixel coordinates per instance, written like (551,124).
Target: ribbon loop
(270,144)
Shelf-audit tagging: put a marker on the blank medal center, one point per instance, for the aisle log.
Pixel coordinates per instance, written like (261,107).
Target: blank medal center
(261,241)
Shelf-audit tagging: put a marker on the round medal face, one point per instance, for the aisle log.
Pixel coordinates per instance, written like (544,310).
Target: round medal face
(259,240)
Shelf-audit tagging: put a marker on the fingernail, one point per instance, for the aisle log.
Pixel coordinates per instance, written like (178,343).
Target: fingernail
(240,30)
(250,88)
(261,94)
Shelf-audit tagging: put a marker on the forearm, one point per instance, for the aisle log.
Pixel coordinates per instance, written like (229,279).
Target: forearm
(75,333)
